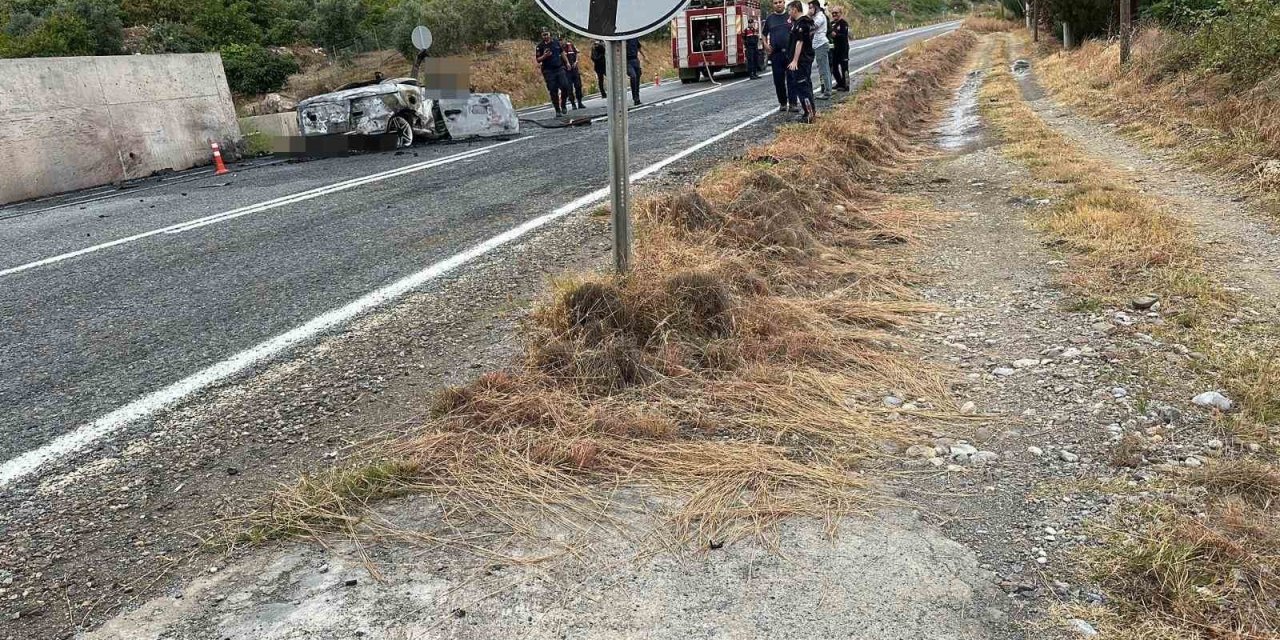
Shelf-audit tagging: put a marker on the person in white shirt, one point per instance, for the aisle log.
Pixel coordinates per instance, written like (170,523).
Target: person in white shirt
(822,48)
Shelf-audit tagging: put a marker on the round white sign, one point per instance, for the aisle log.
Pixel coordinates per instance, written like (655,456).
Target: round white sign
(421,38)
(612,19)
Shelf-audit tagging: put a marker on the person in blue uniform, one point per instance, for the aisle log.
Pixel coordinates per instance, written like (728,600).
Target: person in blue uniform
(777,45)
(635,53)
(599,61)
(751,47)
(840,48)
(550,57)
(574,95)
(802,57)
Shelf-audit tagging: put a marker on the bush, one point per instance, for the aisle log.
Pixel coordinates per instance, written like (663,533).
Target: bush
(253,69)
(1244,41)
(1183,13)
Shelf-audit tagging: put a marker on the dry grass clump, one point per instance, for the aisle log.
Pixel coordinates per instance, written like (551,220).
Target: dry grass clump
(722,374)
(1214,575)
(1165,101)
(988,24)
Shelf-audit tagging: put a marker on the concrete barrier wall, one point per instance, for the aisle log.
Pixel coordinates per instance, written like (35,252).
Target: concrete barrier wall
(71,123)
(276,125)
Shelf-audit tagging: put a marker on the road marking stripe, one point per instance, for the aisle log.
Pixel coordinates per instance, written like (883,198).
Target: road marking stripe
(264,206)
(85,435)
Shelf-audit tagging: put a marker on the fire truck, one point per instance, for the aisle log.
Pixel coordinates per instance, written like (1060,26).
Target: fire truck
(707,35)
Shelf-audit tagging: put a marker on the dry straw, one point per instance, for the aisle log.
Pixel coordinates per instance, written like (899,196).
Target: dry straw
(727,376)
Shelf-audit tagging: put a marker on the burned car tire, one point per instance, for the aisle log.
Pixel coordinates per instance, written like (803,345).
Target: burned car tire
(400,127)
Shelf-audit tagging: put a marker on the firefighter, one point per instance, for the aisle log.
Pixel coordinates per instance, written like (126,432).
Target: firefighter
(840,48)
(777,39)
(598,61)
(802,57)
(574,75)
(751,45)
(635,53)
(550,57)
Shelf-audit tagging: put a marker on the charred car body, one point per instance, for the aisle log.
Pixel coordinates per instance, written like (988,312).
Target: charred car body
(402,111)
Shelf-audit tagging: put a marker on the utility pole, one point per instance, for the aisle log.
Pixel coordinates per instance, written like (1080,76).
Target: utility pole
(1035,20)
(1126,30)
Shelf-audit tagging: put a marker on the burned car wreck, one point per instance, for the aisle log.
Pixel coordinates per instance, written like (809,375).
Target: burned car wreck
(401,111)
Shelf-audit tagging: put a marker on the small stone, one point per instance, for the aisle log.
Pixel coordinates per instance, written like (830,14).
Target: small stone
(892,401)
(1067,456)
(984,458)
(1119,392)
(1193,462)
(921,451)
(968,409)
(937,461)
(351,582)
(1144,303)
(1214,444)
(1035,451)
(963,450)
(1083,628)
(232,471)
(1025,363)
(1004,371)
(1214,400)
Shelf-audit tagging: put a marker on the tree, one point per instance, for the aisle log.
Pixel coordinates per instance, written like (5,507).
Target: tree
(335,23)
(224,22)
(103,20)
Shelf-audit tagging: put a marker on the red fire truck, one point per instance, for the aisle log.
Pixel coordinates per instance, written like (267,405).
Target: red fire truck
(708,35)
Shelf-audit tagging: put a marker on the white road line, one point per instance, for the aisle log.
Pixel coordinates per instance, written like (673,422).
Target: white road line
(85,435)
(671,101)
(895,53)
(264,206)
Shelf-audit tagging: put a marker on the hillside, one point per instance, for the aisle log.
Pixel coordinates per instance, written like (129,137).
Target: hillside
(260,40)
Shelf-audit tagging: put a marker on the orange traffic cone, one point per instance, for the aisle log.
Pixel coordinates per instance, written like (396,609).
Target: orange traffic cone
(217,160)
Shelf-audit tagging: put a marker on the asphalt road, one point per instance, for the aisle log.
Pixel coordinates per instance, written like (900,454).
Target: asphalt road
(110,295)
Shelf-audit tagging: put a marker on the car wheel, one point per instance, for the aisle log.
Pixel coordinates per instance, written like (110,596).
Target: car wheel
(402,130)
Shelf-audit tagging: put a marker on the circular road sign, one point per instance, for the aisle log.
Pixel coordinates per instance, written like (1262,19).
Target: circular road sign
(612,19)
(421,38)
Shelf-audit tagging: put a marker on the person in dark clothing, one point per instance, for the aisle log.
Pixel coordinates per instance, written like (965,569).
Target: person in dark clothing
(802,57)
(550,56)
(840,48)
(635,53)
(574,74)
(598,61)
(751,47)
(777,45)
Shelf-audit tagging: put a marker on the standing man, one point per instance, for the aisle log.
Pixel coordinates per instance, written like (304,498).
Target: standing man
(635,53)
(598,61)
(574,75)
(550,56)
(840,48)
(777,45)
(802,32)
(751,46)
(821,47)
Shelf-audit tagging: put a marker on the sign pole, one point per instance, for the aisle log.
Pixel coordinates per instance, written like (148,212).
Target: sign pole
(1126,30)
(619,169)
